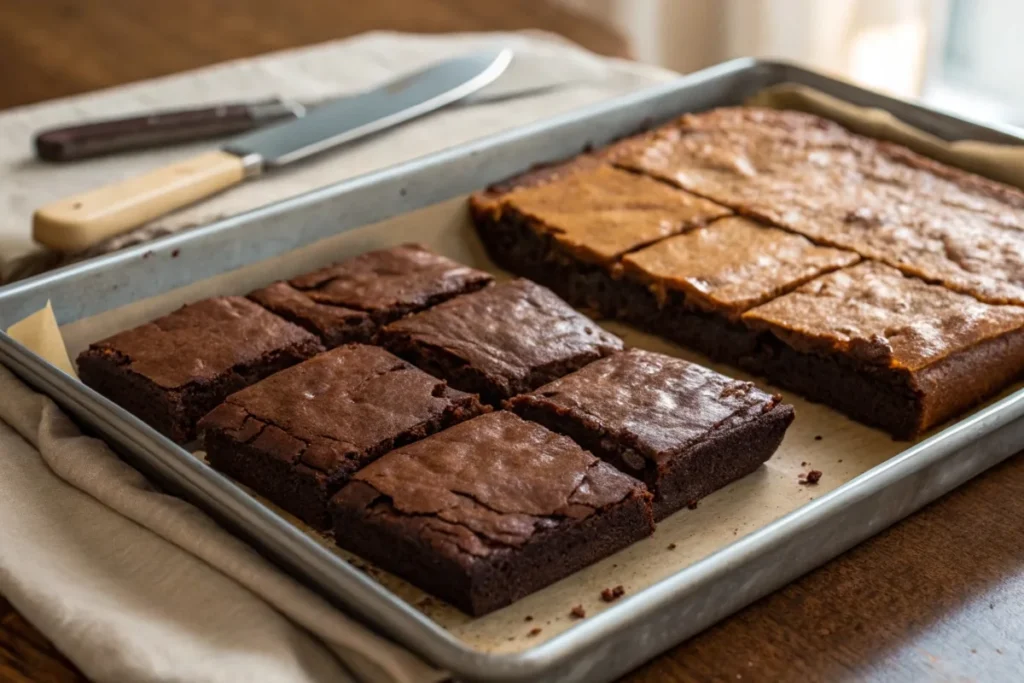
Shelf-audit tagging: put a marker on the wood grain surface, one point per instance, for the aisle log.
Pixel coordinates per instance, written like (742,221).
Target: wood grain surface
(938,597)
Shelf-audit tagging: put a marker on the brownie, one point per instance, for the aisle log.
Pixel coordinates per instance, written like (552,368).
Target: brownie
(298,436)
(597,214)
(566,226)
(681,428)
(500,341)
(335,325)
(888,349)
(692,288)
(489,511)
(879,199)
(732,265)
(172,371)
(348,301)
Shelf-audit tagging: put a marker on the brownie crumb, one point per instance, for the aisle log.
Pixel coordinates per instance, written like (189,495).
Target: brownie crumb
(528,618)
(692,504)
(811,477)
(840,460)
(578,612)
(803,464)
(425,603)
(174,254)
(534,632)
(671,546)
(612,594)
(818,437)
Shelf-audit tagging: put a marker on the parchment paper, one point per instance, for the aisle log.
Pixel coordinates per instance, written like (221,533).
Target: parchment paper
(844,450)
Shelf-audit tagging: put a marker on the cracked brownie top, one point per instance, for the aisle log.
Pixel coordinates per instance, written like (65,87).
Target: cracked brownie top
(205,340)
(516,334)
(878,316)
(876,198)
(489,483)
(340,409)
(389,283)
(649,403)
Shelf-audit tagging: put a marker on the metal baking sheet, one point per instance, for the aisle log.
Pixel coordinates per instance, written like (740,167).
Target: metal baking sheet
(739,544)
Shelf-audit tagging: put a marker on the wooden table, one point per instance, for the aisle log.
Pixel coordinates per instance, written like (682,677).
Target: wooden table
(938,597)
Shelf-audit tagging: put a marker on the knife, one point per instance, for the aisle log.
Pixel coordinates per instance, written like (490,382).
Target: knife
(85,140)
(84,219)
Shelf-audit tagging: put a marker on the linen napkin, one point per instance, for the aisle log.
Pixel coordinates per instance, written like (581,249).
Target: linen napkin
(132,584)
(307,74)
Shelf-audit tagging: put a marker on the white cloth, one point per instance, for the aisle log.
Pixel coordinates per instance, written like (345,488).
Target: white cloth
(311,73)
(132,584)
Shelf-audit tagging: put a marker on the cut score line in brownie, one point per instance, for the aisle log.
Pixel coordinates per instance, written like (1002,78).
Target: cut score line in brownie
(598,214)
(348,301)
(883,201)
(172,371)
(501,341)
(489,511)
(297,436)
(888,349)
(683,429)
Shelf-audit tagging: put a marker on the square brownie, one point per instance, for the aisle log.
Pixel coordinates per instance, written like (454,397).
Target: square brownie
(681,428)
(692,288)
(567,226)
(298,436)
(876,198)
(348,301)
(889,349)
(172,371)
(500,341)
(489,511)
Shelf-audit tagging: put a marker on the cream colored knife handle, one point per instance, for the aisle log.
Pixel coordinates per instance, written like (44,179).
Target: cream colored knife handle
(85,219)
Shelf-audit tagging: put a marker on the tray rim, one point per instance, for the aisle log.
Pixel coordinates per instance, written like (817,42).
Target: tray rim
(426,636)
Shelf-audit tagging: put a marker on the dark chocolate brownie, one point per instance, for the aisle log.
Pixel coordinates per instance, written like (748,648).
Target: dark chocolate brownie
(297,436)
(348,301)
(335,325)
(876,198)
(500,341)
(888,349)
(172,371)
(489,511)
(683,429)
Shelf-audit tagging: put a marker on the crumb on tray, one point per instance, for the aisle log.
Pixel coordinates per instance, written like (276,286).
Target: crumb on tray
(578,612)
(612,594)
(812,477)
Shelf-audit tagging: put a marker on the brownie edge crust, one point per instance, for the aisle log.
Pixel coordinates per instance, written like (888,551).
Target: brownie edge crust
(489,511)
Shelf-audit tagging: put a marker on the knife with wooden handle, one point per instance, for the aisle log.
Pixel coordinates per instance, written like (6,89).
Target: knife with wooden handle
(80,221)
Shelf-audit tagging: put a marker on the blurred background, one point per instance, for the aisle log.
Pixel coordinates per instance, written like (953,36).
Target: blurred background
(962,55)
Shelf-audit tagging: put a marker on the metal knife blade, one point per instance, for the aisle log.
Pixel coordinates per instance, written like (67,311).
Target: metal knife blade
(340,121)
(78,222)
(526,76)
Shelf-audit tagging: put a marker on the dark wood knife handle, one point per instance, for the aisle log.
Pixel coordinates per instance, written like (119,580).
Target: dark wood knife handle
(97,138)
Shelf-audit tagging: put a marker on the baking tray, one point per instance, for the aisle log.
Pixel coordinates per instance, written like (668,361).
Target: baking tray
(700,566)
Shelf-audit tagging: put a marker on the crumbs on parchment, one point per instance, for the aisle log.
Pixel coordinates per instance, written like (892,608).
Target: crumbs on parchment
(612,594)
